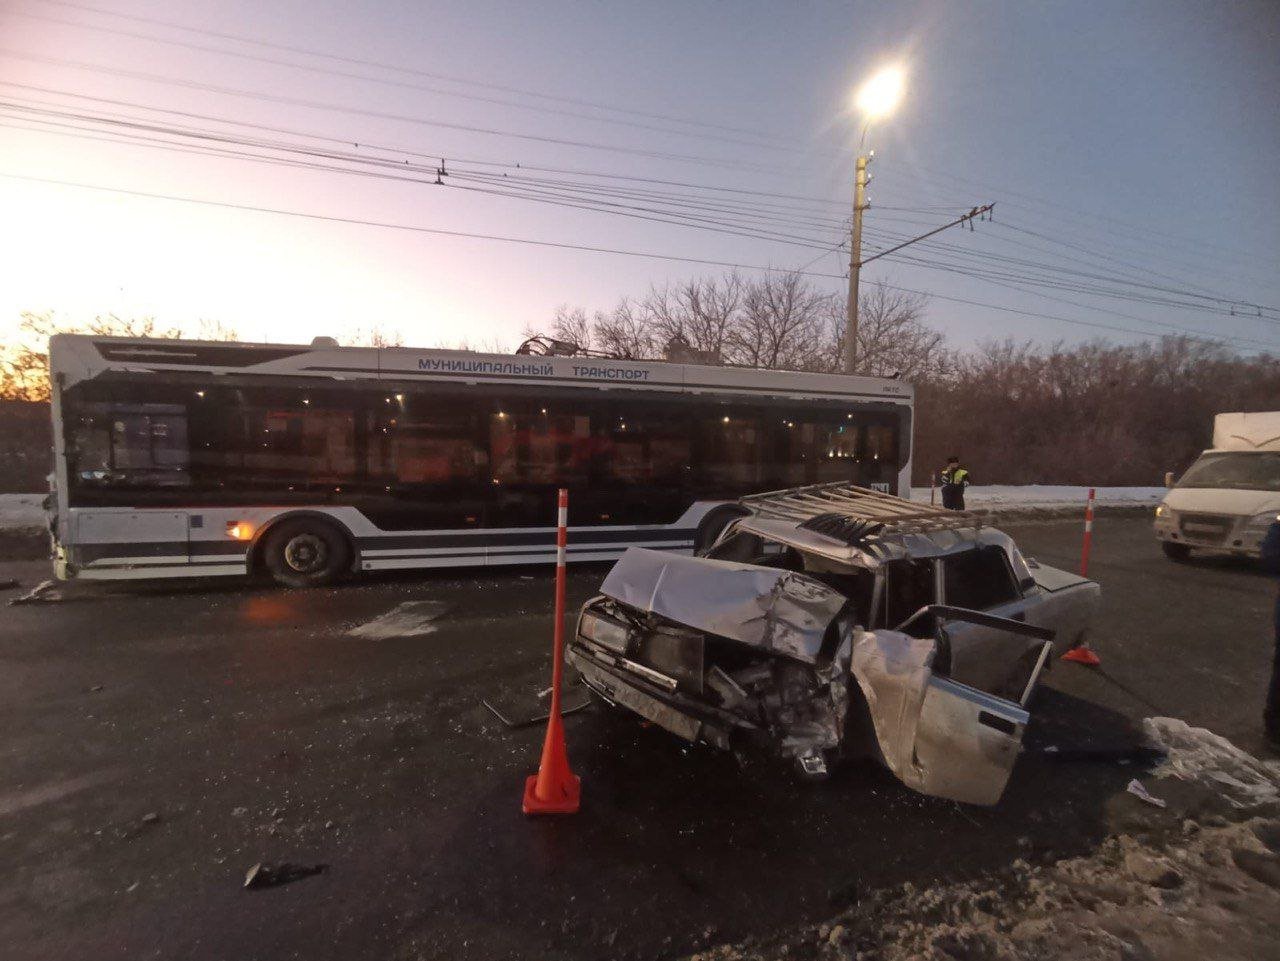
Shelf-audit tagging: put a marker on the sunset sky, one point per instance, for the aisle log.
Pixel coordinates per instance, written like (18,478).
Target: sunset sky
(1134,144)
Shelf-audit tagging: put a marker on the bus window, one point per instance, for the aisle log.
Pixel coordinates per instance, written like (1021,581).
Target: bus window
(425,442)
(529,447)
(307,446)
(729,451)
(137,445)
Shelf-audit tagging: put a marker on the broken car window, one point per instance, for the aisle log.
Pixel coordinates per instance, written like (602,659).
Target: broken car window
(909,587)
(978,579)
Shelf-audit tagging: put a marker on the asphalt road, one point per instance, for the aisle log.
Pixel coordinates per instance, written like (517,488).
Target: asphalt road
(255,726)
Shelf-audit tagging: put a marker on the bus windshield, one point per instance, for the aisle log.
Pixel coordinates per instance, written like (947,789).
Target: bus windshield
(1237,470)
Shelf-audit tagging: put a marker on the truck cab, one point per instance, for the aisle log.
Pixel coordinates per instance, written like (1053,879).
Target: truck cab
(1228,498)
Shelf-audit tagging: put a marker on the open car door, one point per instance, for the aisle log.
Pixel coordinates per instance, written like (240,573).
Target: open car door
(939,736)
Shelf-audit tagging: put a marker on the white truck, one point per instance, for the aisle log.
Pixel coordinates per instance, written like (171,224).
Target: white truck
(1230,496)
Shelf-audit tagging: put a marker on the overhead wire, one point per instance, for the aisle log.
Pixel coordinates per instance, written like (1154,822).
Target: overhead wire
(398,68)
(385,115)
(653,255)
(758,144)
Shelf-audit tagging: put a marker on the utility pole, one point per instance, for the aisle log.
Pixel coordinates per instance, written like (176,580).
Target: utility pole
(856,262)
(855,266)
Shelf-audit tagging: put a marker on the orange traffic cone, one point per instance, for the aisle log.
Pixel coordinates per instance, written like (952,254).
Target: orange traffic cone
(554,789)
(1083,654)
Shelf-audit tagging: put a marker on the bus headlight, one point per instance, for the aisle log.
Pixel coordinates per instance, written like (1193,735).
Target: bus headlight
(604,631)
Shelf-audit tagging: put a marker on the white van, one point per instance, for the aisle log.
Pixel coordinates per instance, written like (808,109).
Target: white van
(1230,496)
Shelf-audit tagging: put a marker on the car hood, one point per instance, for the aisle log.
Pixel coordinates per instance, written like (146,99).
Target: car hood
(777,611)
(1243,503)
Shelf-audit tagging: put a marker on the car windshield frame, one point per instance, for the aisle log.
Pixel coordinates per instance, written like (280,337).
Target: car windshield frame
(1254,476)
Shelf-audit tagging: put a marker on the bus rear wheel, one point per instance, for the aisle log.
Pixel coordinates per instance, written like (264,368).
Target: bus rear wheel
(713,526)
(305,553)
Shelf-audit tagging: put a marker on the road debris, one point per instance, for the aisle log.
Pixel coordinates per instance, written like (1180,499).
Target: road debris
(1135,788)
(409,619)
(44,592)
(519,723)
(263,875)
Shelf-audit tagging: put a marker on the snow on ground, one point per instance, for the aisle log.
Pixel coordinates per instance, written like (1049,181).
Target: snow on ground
(19,511)
(1198,880)
(1047,495)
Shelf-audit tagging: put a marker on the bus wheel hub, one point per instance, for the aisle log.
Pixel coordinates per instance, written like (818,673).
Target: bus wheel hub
(305,553)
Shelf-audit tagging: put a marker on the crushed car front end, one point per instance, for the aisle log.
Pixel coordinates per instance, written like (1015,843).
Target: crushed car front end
(742,655)
(720,652)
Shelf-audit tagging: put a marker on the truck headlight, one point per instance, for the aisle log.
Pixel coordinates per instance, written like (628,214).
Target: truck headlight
(1264,520)
(605,631)
(1163,511)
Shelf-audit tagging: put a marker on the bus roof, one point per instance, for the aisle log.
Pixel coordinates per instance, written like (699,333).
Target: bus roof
(78,357)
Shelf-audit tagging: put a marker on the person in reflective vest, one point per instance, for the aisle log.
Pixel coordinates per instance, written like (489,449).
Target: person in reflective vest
(954,480)
(1271,713)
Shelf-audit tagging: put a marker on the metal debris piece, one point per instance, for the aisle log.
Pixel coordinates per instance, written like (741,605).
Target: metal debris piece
(263,875)
(564,712)
(44,591)
(731,693)
(1136,788)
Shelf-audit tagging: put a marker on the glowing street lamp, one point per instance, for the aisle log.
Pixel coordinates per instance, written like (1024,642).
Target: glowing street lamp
(878,96)
(881,93)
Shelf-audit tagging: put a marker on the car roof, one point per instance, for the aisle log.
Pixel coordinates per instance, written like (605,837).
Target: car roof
(874,549)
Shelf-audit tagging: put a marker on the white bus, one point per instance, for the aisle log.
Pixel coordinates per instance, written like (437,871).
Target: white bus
(180,458)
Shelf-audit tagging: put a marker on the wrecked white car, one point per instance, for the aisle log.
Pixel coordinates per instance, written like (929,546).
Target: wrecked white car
(835,621)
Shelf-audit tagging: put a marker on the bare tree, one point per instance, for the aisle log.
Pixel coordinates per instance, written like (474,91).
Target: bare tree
(781,325)
(570,324)
(700,313)
(24,364)
(893,338)
(374,336)
(624,333)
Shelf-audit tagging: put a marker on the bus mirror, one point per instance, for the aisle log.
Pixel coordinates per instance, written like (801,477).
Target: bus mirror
(1168,478)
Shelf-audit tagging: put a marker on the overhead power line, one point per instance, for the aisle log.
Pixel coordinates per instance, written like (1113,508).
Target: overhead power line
(732,224)
(396,68)
(756,144)
(385,115)
(412,228)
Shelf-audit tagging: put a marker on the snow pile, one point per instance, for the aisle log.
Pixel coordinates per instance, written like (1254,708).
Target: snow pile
(1048,495)
(21,511)
(1206,893)
(1187,885)
(1196,754)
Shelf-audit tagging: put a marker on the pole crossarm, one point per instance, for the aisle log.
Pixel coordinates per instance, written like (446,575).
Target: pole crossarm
(965,218)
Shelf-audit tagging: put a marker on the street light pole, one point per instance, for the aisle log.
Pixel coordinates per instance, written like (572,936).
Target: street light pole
(855,266)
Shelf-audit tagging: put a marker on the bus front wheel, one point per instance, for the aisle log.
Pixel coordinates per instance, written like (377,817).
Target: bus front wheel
(305,553)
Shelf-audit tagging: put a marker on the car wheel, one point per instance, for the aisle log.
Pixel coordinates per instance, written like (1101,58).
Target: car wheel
(1176,552)
(305,553)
